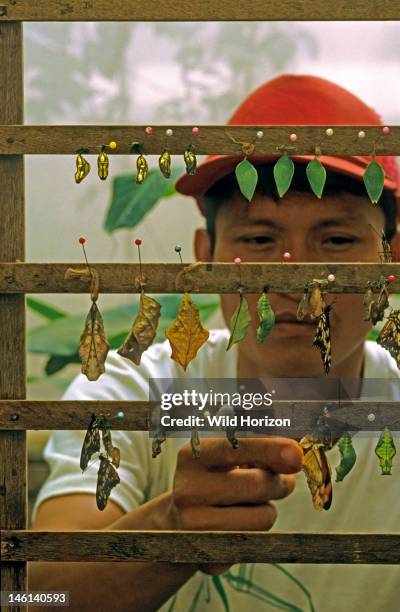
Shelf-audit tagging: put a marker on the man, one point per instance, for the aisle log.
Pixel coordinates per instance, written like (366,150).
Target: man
(174,491)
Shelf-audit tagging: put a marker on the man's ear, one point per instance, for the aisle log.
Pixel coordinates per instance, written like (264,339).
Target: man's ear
(202,245)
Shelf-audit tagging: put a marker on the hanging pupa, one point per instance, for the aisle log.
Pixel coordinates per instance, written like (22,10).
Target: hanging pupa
(247,178)
(82,167)
(374,178)
(266,317)
(102,164)
(164,163)
(190,161)
(186,334)
(316,175)
(283,174)
(347,456)
(385,450)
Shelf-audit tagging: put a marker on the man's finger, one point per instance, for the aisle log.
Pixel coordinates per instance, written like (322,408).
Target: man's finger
(281,455)
(233,487)
(232,518)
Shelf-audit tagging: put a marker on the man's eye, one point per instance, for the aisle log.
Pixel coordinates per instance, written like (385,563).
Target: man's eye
(338,240)
(256,239)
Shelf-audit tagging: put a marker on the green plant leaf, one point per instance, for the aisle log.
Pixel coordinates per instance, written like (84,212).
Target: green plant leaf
(57,362)
(216,580)
(247,177)
(374,177)
(45,310)
(239,322)
(132,201)
(283,174)
(316,175)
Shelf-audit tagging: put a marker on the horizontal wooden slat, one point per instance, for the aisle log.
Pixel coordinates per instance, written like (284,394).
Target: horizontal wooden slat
(76,414)
(198,10)
(72,414)
(204,278)
(201,547)
(212,139)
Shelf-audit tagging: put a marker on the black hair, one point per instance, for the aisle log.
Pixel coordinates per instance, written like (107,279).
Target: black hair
(223,190)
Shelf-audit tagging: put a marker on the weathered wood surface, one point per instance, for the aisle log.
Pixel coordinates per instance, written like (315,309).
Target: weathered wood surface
(203,278)
(211,139)
(201,547)
(13,460)
(73,414)
(198,10)
(76,414)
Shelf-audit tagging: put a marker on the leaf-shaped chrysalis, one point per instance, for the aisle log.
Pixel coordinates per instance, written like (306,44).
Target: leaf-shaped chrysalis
(239,322)
(385,450)
(143,331)
(316,175)
(347,456)
(374,177)
(283,174)
(93,345)
(247,177)
(266,317)
(186,334)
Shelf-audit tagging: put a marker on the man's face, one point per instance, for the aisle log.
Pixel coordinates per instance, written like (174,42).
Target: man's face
(335,228)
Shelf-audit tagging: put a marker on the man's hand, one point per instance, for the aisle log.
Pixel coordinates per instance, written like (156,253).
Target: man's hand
(231,489)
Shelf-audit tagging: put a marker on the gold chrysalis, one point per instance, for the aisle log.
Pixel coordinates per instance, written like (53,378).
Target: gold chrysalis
(102,165)
(164,163)
(82,168)
(190,161)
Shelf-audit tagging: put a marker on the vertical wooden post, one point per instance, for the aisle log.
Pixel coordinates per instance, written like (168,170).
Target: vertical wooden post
(13,459)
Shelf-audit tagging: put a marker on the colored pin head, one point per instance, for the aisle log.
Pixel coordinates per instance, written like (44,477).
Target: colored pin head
(178,250)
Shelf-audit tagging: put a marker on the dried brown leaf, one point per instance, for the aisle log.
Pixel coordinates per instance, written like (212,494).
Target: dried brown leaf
(186,334)
(93,345)
(143,331)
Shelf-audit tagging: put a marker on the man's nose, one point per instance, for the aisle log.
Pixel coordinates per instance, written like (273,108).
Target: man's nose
(300,251)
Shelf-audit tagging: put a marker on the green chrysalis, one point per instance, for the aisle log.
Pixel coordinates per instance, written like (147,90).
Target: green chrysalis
(266,317)
(385,450)
(374,177)
(247,177)
(347,456)
(283,174)
(316,175)
(239,322)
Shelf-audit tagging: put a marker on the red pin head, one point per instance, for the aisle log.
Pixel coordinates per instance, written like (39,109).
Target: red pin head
(82,240)
(138,242)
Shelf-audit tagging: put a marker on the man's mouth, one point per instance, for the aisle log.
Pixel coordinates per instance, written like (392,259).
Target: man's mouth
(288,317)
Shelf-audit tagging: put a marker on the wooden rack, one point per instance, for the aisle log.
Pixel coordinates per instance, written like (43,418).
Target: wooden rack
(19,545)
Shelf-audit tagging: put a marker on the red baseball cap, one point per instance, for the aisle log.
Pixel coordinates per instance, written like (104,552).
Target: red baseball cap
(295,100)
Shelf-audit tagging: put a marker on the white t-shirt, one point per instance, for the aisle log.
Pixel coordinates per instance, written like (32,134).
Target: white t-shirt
(364,502)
